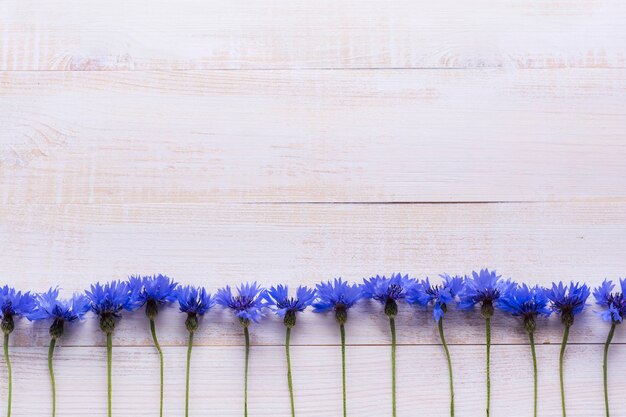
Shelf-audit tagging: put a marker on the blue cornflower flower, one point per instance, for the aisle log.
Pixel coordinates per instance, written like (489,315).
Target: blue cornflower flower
(439,295)
(50,307)
(152,291)
(337,295)
(613,302)
(484,288)
(247,304)
(615,308)
(195,301)
(14,304)
(526,302)
(566,301)
(388,291)
(277,299)
(109,300)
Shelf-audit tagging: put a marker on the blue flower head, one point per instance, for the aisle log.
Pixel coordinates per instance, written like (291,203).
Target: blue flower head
(566,301)
(484,288)
(195,302)
(277,298)
(613,302)
(14,304)
(526,302)
(388,291)
(50,307)
(108,301)
(247,304)
(440,296)
(337,295)
(152,291)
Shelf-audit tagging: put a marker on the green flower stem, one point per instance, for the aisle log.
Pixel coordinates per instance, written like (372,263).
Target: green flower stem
(245,390)
(158,348)
(534,354)
(488,335)
(53,342)
(563,345)
(445,347)
(8,361)
(392,325)
(189,347)
(342,330)
(606,354)
(289,379)
(109,363)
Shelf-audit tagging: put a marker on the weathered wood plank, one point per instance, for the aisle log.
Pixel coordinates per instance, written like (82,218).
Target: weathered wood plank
(214,245)
(325,136)
(190,34)
(217,381)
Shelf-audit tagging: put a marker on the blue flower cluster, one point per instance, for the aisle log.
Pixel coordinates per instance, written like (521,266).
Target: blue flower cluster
(613,302)
(248,301)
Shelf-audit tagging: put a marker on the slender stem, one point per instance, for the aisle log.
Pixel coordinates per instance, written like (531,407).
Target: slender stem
(606,354)
(534,354)
(8,361)
(245,390)
(342,330)
(109,363)
(53,342)
(189,347)
(289,379)
(563,344)
(392,325)
(488,335)
(158,348)
(445,347)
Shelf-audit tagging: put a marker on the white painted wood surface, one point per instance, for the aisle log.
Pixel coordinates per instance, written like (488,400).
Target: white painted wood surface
(189,34)
(291,141)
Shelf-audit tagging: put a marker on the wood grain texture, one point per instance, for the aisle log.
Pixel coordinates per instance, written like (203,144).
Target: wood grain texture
(320,136)
(189,34)
(217,375)
(218,244)
(295,141)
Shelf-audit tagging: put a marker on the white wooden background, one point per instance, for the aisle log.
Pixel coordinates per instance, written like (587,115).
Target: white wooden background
(294,141)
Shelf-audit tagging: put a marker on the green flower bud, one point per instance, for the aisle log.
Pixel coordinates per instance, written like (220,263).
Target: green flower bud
(8,325)
(152,309)
(290,318)
(567,318)
(487,309)
(192,322)
(56,330)
(529,324)
(341,313)
(107,323)
(391,308)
